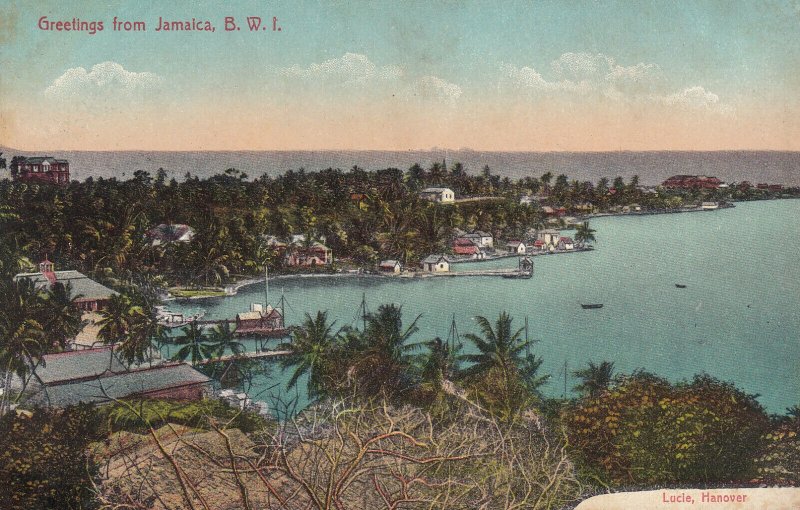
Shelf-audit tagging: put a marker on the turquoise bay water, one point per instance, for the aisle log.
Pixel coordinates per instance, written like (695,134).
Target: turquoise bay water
(737,319)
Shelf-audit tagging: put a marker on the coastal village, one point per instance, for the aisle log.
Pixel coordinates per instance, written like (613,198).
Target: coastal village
(205,239)
(558,223)
(453,255)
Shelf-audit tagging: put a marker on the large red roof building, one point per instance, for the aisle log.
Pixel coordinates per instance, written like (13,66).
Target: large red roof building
(41,169)
(692,182)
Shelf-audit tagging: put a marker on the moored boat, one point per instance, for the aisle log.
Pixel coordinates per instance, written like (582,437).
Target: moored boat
(170,319)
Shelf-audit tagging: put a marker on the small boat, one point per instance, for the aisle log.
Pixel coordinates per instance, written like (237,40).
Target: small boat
(170,319)
(591,306)
(680,285)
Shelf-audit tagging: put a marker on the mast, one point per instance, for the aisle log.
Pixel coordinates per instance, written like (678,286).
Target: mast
(266,287)
(452,335)
(565,379)
(283,307)
(363,310)
(527,342)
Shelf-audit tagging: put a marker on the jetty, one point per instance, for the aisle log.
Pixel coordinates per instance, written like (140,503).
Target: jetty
(242,328)
(476,272)
(248,355)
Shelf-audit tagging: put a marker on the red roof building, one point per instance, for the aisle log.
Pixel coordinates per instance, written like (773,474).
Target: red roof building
(41,169)
(692,182)
(463,246)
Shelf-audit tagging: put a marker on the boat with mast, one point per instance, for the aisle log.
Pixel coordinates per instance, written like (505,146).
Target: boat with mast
(263,320)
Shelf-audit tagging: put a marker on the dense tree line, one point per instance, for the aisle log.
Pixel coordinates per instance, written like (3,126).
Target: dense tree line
(99,226)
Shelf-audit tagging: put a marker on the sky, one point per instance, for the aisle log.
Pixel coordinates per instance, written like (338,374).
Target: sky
(505,76)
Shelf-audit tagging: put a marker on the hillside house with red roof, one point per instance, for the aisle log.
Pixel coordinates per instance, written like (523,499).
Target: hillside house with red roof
(464,246)
(41,169)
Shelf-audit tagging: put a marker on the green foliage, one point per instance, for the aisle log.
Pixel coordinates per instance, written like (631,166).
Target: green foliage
(192,414)
(503,375)
(644,430)
(195,346)
(779,462)
(45,460)
(595,378)
(33,322)
(311,352)
(381,362)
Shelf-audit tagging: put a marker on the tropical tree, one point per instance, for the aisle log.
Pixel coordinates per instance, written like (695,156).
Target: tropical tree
(23,340)
(437,365)
(383,362)
(594,378)
(584,233)
(503,374)
(194,345)
(61,316)
(144,330)
(498,347)
(115,319)
(222,339)
(310,351)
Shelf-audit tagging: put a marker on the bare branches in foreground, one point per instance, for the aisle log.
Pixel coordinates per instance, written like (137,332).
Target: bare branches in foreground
(342,456)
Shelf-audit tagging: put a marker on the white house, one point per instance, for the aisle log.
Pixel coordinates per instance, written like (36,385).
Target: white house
(436,264)
(516,247)
(481,239)
(443,195)
(548,236)
(566,243)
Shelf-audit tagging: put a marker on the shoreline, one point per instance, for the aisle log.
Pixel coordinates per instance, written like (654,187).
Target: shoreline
(235,287)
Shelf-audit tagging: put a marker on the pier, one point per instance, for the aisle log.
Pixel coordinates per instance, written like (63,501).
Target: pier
(248,355)
(477,272)
(263,331)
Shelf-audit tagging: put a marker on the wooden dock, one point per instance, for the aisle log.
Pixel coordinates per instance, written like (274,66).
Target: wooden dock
(258,331)
(248,355)
(477,272)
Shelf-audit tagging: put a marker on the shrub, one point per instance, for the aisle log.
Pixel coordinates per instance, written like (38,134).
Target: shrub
(45,461)
(646,431)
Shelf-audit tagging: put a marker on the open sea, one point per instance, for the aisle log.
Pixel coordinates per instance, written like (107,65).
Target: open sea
(738,319)
(652,167)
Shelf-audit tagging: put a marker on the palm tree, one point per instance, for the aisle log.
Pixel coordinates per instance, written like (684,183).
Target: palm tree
(144,329)
(498,348)
(222,339)
(194,345)
(310,351)
(23,341)
(62,320)
(529,371)
(584,233)
(383,360)
(115,322)
(438,364)
(595,378)
(504,375)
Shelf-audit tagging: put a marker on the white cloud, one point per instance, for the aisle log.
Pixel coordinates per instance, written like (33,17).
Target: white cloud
(105,76)
(696,97)
(585,73)
(431,87)
(351,68)
(357,73)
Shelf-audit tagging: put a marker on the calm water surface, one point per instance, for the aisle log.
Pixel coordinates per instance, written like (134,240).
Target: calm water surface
(737,319)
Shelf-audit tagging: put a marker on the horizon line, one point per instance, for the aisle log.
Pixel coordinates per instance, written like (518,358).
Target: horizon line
(430,149)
